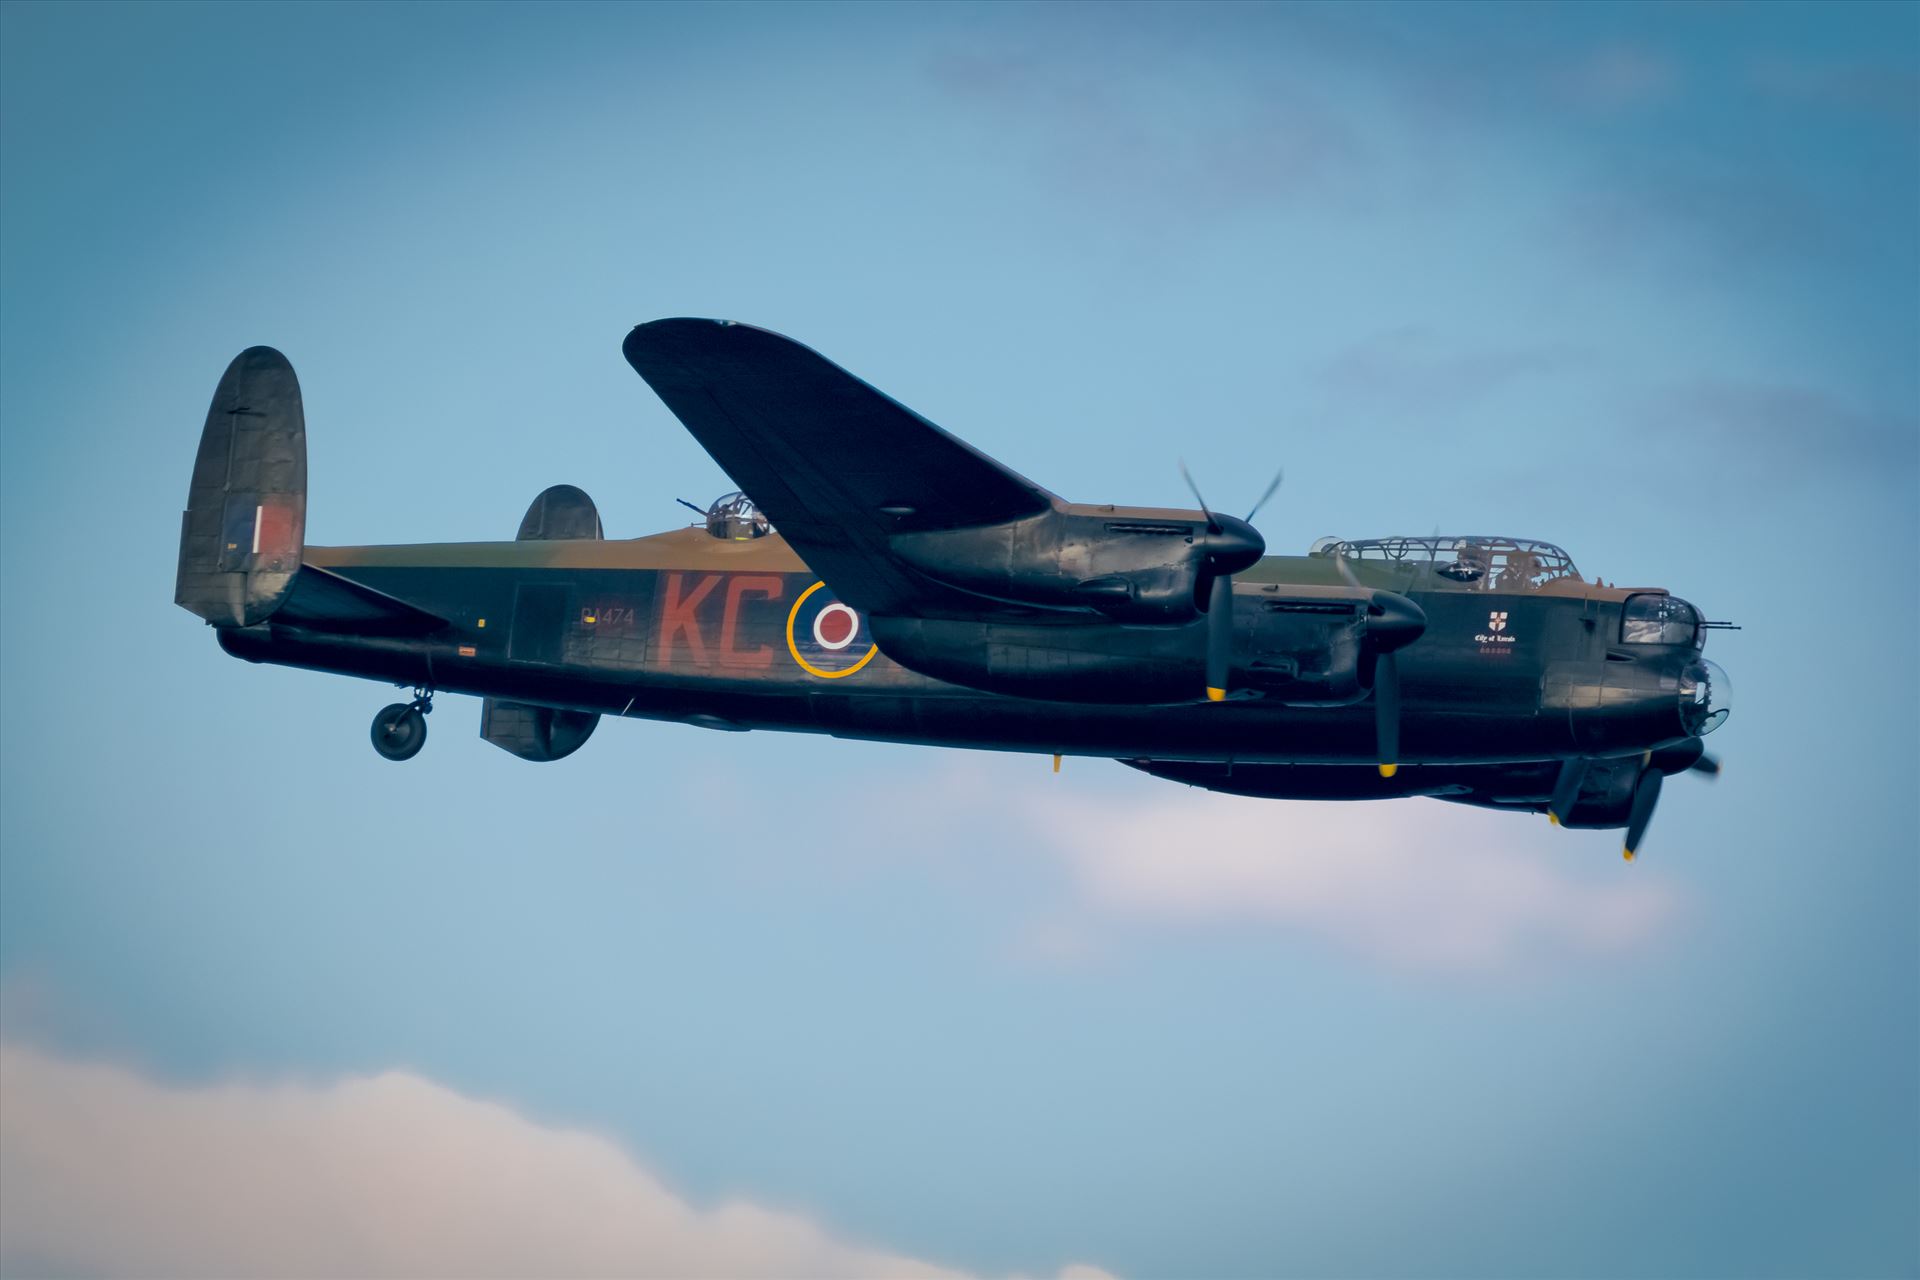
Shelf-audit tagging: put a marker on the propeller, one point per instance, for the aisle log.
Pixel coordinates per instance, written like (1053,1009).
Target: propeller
(1386,713)
(1646,794)
(1688,756)
(1272,488)
(1393,623)
(1566,789)
(1232,545)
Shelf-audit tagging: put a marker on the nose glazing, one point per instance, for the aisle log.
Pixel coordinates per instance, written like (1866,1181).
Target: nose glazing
(1705,696)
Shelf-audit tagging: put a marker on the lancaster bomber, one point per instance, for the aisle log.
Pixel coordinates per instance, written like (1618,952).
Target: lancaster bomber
(877,577)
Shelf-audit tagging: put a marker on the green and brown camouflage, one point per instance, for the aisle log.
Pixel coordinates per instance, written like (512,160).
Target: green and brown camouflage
(910,589)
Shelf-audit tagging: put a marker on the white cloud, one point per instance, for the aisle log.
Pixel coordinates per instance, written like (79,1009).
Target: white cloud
(1411,883)
(103,1171)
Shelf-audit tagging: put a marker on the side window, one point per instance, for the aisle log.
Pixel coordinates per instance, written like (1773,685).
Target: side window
(1655,619)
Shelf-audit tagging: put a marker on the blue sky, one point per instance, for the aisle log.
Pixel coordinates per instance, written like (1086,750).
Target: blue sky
(1644,281)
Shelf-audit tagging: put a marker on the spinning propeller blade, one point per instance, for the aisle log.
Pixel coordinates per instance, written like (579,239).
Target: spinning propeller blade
(1646,794)
(1393,622)
(1213,525)
(1684,757)
(1219,636)
(1272,489)
(1566,790)
(1232,545)
(1346,572)
(1386,713)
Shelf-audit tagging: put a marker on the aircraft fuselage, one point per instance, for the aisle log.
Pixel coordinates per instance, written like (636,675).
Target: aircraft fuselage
(684,627)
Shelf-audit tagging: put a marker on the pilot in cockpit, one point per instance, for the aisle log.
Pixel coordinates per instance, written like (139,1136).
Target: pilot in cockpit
(1521,570)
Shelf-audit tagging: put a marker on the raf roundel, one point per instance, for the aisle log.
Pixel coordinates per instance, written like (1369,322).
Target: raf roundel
(827,639)
(835,626)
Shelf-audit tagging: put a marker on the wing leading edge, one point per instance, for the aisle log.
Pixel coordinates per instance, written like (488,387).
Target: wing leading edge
(838,466)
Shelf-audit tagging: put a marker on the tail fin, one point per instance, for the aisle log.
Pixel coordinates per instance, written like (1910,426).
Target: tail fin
(245,526)
(545,733)
(561,512)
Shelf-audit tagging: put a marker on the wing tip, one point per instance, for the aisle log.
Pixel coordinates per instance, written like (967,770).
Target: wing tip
(679,332)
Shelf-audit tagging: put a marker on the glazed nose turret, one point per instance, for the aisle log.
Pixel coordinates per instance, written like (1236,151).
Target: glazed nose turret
(1705,695)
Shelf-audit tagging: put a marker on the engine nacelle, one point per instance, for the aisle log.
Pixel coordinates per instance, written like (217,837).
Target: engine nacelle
(1064,662)
(1310,648)
(1306,648)
(1134,565)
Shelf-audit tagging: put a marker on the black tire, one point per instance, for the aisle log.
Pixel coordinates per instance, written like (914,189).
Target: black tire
(399,731)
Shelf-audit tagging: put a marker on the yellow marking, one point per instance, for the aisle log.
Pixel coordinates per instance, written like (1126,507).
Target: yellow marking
(1216,695)
(483,624)
(466,651)
(1627,854)
(1553,817)
(1388,770)
(1056,762)
(794,649)
(590,619)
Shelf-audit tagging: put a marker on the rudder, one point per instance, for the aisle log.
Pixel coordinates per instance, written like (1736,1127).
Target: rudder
(561,512)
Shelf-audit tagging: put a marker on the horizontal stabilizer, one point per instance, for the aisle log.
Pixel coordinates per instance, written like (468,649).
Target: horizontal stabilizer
(322,600)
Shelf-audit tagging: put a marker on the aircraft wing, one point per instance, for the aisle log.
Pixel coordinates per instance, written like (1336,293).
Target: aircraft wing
(836,465)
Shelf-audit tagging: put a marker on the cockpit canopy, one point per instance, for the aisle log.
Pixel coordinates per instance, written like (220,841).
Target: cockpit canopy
(1475,561)
(734,518)
(1654,617)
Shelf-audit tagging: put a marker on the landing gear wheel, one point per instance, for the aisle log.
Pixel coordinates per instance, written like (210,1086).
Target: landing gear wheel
(400,730)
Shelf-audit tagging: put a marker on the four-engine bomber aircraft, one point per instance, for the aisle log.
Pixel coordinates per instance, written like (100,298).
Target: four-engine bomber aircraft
(885,580)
